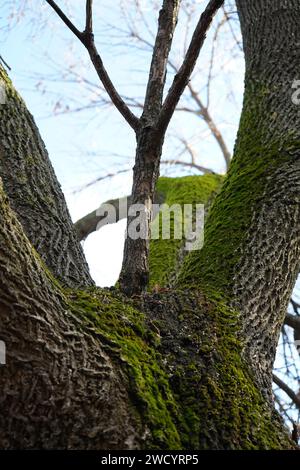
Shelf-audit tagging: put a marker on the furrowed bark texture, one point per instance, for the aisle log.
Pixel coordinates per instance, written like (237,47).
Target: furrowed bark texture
(35,193)
(252,248)
(89,370)
(59,388)
(134,275)
(93,370)
(177,369)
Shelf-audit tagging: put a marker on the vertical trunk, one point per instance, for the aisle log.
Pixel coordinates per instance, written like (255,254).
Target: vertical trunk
(135,268)
(86,371)
(59,387)
(34,192)
(134,276)
(252,242)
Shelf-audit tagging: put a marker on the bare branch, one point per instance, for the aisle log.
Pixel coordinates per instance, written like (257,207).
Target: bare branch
(99,217)
(89,17)
(181,78)
(4,63)
(92,221)
(292,321)
(206,116)
(295,305)
(65,19)
(211,124)
(188,164)
(119,103)
(202,110)
(293,396)
(157,76)
(100,178)
(87,39)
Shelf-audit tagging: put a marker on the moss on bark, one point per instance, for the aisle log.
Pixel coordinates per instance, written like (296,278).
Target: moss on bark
(186,378)
(167,254)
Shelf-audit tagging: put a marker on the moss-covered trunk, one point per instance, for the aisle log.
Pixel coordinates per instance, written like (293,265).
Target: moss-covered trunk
(185,367)
(252,249)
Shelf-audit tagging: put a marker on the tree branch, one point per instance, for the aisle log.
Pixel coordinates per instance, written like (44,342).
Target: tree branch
(290,393)
(66,20)
(202,112)
(157,75)
(188,164)
(89,17)
(181,78)
(92,221)
(292,321)
(87,39)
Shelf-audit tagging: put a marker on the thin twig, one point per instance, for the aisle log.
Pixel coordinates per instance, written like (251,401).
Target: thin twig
(182,77)
(100,178)
(65,19)
(188,164)
(87,39)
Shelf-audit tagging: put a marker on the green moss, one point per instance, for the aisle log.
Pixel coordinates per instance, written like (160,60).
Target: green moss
(133,347)
(9,88)
(165,254)
(221,405)
(200,397)
(258,153)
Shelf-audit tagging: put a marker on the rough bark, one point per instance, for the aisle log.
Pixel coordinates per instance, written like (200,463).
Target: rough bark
(252,248)
(34,192)
(89,370)
(186,368)
(59,388)
(134,276)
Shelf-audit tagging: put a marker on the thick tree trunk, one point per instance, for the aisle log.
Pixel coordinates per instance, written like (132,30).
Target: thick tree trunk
(89,370)
(185,368)
(34,192)
(252,249)
(59,388)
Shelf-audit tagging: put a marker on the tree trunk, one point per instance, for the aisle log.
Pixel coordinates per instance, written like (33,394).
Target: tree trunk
(181,368)
(252,249)
(134,277)
(34,192)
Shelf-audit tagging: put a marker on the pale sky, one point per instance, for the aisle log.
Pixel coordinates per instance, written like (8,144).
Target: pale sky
(83,146)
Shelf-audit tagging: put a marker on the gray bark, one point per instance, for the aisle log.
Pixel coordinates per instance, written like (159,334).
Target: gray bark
(35,194)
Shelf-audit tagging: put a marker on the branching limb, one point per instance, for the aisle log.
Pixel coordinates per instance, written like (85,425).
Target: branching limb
(291,394)
(157,76)
(87,39)
(65,19)
(99,217)
(182,77)
(89,17)
(292,321)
